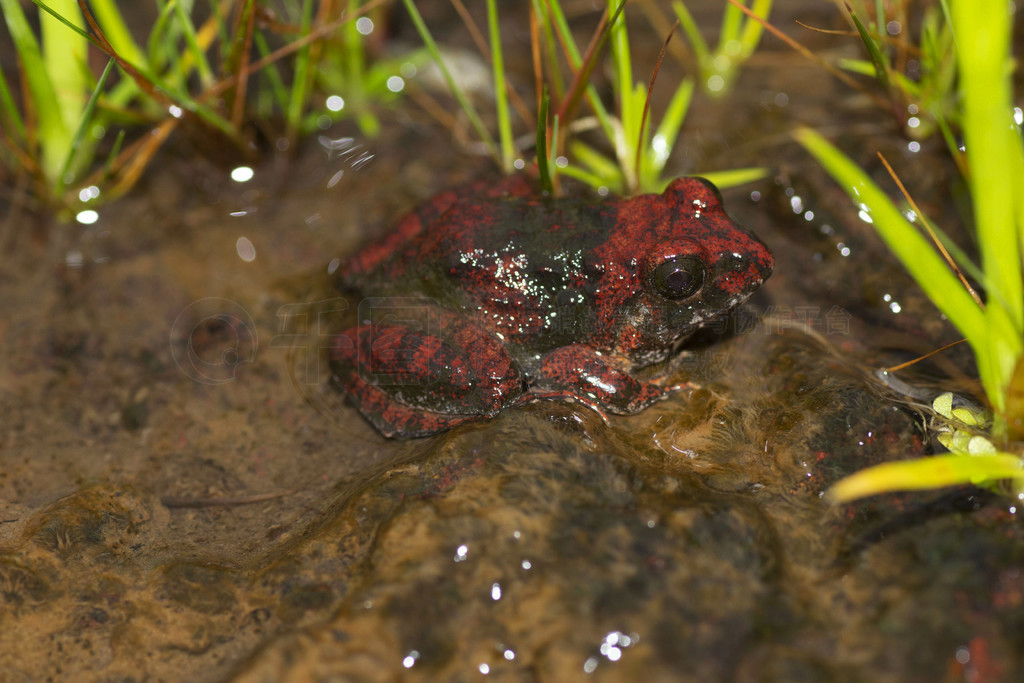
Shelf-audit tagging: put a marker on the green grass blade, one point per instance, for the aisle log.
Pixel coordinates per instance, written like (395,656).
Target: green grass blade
(198,54)
(623,67)
(508,149)
(110,19)
(59,17)
(952,145)
(90,107)
(66,55)
(607,171)
(9,109)
(913,250)
(732,21)
(594,180)
(949,16)
(692,31)
(877,59)
(862,67)
(546,185)
(277,90)
(115,149)
(994,157)
(576,61)
(456,89)
(555,81)
(161,47)
(302,78)
(553,152)
(675,114)
(222,41)
(671,123)
(355,54)
(926,473)
(735,176)
(752,30)
(51,134)
(632,97)
(201,110)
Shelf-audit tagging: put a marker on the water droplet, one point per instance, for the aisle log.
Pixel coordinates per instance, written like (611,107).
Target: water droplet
(242,174)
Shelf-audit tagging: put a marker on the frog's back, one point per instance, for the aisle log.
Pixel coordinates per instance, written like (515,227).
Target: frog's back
(475,240)
(426,216)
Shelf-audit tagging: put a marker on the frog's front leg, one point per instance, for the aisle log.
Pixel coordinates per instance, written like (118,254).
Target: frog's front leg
(583,374)
(414,382)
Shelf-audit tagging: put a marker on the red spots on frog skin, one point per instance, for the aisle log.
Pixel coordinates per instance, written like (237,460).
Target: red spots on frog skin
(538,297)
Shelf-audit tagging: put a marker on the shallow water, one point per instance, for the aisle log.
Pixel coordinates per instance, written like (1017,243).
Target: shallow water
(180,497)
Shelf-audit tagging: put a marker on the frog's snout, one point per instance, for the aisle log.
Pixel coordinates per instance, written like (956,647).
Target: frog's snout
(743,272)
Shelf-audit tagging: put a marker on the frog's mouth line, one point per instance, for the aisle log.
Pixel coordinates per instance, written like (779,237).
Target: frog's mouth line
(675,340)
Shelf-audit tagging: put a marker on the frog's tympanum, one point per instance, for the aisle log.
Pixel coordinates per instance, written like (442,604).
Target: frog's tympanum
(493,296)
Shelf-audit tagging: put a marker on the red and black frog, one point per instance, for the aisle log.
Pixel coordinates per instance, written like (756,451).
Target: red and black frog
(491,296)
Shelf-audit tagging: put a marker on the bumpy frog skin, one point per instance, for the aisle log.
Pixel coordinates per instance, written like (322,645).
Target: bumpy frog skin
(515,297)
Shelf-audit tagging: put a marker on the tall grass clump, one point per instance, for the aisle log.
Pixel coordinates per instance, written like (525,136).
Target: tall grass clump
(307,65)
(984,449)
(633,145)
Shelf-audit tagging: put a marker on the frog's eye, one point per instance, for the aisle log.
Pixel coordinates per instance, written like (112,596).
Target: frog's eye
(678,278)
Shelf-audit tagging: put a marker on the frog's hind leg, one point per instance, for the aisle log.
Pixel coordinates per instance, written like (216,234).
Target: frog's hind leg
(393,419)
(413,382)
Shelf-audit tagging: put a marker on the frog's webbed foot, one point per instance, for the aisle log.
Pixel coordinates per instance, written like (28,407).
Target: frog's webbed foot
(568,397)
(585,376)
(413,382)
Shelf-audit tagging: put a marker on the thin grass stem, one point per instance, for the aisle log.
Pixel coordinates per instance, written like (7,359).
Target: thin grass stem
(83,125)
(508,149)
(456,89)
(302,78)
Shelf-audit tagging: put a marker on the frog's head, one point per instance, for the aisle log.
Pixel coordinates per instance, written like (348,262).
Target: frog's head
(689,264)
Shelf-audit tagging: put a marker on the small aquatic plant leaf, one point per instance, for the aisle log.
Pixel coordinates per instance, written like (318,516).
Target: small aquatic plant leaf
(957,408)
(926,473)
